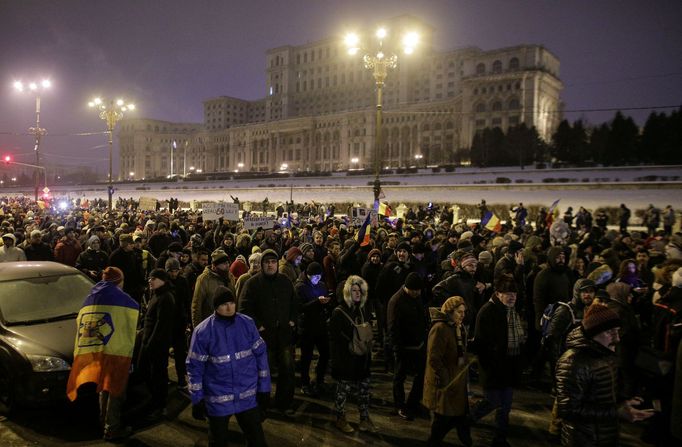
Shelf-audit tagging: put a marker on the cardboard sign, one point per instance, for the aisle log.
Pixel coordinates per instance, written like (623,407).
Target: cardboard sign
(253,222)
(214,211)
(147,204)
(358,215)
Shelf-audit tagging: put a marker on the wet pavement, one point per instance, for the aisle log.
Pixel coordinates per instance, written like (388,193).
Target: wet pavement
(312,425)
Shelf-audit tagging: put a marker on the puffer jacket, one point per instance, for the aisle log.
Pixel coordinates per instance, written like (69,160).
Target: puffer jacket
(227,365)
(444,362)
(587,387)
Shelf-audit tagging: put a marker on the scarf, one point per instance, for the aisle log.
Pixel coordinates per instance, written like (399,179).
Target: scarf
(515,333)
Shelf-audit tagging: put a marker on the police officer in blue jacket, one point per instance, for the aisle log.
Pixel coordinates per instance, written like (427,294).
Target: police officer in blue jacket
(228,372)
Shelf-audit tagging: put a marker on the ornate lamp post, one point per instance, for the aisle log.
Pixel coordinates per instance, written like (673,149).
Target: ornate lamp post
(111,112)
(380,58)
(38,132)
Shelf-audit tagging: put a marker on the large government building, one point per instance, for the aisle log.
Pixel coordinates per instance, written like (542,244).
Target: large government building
(319,111)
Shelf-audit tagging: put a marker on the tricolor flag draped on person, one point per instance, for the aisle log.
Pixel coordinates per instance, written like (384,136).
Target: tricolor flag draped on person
(103,350)
(491,222)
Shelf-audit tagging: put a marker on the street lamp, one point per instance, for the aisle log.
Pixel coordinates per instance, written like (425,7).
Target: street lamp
(418,159)
(38,132)
(111,112)
(379,58)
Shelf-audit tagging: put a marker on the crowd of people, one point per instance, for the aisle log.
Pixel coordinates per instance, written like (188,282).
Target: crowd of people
(594,312)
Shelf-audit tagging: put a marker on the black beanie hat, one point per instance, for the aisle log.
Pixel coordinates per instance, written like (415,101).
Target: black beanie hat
(313,268)
(404,246)
(222,295)
(160,274)
(414,281)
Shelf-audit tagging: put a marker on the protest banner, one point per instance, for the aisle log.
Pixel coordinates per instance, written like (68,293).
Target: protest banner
(214,211)
(147,204)
(253,222)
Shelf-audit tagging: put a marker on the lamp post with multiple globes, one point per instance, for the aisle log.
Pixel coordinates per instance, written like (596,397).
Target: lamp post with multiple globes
(38,132)
(379,57)
(111,112)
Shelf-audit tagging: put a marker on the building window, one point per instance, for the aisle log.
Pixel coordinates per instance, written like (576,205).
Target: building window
(480,107)
(480,69)
(480,124)
(497,122)
(514,63)
(497,105)
(514,104)
(513,120)
(497,67)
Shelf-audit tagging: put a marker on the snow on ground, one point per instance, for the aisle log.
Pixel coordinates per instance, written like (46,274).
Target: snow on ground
(591,188)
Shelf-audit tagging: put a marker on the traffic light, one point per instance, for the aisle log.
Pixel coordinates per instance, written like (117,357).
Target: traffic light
(7,159)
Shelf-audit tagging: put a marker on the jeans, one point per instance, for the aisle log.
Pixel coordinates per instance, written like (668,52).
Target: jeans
(250,423)
(110,410)
(308,343)
(408,362)
(281,357)
(499,399)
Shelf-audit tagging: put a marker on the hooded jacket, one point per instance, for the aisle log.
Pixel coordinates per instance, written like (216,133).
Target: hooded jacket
(562,322)
(553,283)
(587,395)
(346,365)
(202,300)
(444,361)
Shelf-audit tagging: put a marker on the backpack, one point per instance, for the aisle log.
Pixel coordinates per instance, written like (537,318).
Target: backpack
(549,313)
(361,343)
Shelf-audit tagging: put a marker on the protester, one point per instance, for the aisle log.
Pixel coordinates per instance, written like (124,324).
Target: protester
(215,275)
(350,369)
(445,379)
(103,355)
(227,344)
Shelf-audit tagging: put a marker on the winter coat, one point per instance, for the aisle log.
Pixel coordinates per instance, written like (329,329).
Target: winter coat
(626,350)
(158,324)
(586,383)
(552,284)
(11,254)
(444,361)
(346,365)
(289,270)
(391,279)
(497,369)
(38,252)
(92,260)
(66,251)
(313,314)
(131,267)
(227,365)
(676,418)
(407,324)
(271,302)
(202,300)
(562,322)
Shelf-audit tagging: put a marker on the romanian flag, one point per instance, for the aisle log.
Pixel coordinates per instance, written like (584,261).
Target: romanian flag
(553,213)
(103,351)
(491,222)
(385,209)
(365,231)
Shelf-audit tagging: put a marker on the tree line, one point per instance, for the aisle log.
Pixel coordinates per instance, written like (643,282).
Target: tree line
(617,142)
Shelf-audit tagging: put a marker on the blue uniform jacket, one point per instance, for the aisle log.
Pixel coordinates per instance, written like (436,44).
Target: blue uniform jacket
(227,365)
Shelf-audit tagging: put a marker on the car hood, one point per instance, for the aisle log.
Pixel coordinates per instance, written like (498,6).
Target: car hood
(54,338)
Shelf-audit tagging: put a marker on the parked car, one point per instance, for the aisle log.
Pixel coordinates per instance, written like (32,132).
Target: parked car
(39,303)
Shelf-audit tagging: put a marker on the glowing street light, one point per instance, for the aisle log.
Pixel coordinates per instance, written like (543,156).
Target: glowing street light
(111,112)
(380,58)
(38,132)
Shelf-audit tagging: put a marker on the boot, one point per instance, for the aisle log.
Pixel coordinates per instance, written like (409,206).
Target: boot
(367,425)
(343,425)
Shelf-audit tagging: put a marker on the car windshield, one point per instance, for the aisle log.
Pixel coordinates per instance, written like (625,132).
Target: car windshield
(35,300)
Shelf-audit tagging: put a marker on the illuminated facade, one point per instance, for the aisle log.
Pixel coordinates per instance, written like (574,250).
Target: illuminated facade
(319,108)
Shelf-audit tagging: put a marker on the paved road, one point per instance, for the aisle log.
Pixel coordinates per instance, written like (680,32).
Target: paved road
(76,425)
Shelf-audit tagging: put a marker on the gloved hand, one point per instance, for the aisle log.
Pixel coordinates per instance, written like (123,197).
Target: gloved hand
(199,411)
(263,400)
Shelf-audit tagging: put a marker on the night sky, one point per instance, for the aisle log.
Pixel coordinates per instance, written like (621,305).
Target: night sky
(168,56)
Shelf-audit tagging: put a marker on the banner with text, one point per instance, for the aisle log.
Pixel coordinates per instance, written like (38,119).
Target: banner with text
(214,211)
(253,222)
(147,204)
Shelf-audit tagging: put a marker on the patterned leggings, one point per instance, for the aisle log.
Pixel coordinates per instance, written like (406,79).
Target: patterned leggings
(343,388)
